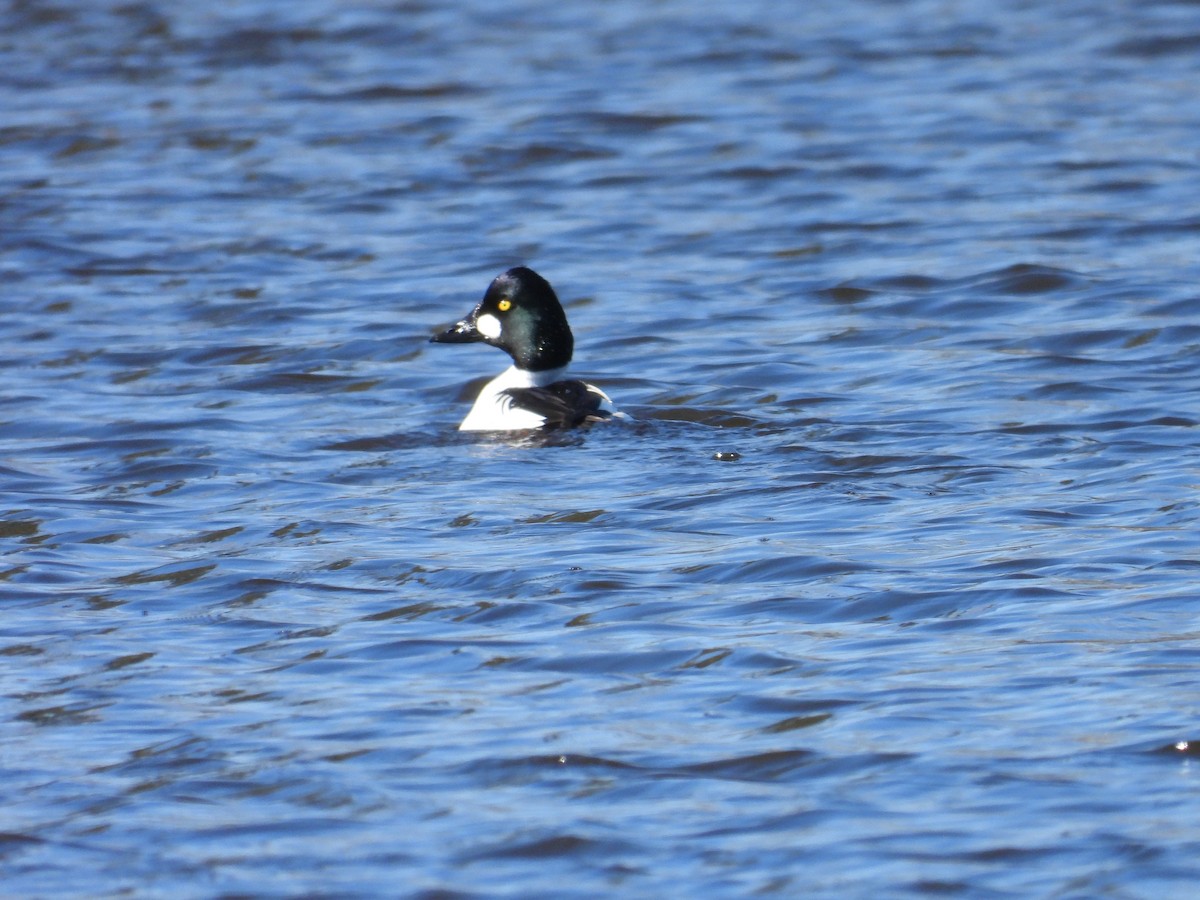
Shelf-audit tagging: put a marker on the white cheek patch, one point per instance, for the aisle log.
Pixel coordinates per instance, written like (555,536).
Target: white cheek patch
(488,325)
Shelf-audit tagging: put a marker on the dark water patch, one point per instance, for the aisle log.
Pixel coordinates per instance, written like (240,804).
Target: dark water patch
(881,171)
(707,416)
(633,123)
(1074,390)
(759,173)
(1154,46)
(82,144)
(1078,344)
(552,847)
(874,466)
(1182,748)
(383,443)
(615,663)
(769,570)
(69,715)
(768,767)
(1186,225)
(174,577)
(1028,278)
(238,355)
(857,227)
(799,707)
(533,155)
(571,517)
(393,93)
(846,293)
(1075,233)
(1174,307)
(910,283)
(19,528)
(1119,186)
(962,607)
(759,767)
(224,142)
(303,381)
(781,765)
(256,46)
(504,770)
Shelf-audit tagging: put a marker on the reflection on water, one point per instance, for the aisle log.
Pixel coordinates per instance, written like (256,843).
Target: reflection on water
(888,587)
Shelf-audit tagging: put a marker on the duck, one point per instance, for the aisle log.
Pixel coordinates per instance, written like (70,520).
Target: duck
(521,314)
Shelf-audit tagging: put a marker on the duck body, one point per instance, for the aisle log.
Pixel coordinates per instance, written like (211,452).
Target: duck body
(521,314)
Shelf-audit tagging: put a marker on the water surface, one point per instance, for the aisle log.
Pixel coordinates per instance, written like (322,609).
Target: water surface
(889,587)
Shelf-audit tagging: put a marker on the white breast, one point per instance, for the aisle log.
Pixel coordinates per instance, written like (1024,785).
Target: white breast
(493,412)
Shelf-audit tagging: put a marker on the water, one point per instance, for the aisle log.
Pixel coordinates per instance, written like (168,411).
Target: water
(889,589)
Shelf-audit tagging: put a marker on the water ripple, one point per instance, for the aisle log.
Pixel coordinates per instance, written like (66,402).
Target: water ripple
(887,588)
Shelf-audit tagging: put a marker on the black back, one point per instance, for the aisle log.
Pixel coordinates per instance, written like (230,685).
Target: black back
(563,404)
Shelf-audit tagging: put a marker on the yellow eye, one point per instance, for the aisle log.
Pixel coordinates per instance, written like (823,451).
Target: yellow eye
(504,305)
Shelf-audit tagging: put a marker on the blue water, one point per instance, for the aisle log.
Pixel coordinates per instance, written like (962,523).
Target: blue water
(889,588)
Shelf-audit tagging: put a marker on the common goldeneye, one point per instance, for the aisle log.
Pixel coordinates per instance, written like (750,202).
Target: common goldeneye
(521,315)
